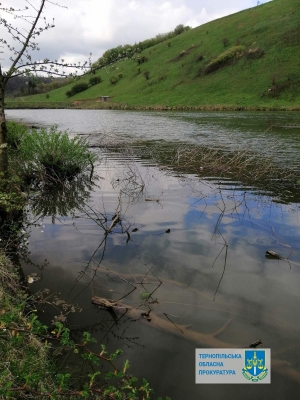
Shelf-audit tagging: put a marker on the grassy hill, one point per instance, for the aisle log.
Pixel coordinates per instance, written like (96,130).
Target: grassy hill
(245,60)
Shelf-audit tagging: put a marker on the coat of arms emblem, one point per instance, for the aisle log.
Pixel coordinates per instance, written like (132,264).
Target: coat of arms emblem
(255,369)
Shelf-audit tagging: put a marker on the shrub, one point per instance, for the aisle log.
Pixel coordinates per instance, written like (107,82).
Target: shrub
(79,87)
(54,154)
(224,59)
(141,59)
(120,76)
(180,29)
(113,80)
(199,58)
(147,74)
(94,80)
(47,96)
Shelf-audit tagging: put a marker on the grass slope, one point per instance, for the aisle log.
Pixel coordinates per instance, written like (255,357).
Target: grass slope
(262,53)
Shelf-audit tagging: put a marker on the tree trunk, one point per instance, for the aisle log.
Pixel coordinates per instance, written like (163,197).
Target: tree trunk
(3,136)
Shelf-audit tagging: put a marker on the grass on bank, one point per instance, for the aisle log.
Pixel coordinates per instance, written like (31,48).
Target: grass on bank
(27,367)
(23,358)
(265,74)
(47,155)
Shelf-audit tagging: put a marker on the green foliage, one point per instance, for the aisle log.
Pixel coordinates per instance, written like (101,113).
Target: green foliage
(12,199)
(147,74)
(225,58)
(54,154)
(113,80)
(141,59)
(180,29)
(15,133)
(78,88)
(94,80)
(127,51)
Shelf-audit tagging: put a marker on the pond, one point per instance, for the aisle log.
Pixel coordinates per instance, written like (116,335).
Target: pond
(196,242)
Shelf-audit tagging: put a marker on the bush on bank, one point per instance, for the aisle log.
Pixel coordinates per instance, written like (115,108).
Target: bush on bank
(48,155)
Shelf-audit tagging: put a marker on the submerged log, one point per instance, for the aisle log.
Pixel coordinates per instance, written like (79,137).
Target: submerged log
(274,254)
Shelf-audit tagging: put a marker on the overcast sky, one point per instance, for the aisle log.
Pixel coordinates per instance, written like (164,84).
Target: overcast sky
(93,26)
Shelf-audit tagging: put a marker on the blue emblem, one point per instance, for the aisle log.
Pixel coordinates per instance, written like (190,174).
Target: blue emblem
(255,369)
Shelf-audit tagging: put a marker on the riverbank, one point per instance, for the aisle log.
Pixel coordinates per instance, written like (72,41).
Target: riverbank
(94,104)
(26,369)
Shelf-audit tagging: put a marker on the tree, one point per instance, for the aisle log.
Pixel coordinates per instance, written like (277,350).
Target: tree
(20,57)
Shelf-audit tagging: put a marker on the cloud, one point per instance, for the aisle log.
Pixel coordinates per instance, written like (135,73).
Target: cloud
(91,26)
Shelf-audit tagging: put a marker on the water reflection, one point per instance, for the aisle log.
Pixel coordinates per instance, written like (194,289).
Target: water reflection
(63,198)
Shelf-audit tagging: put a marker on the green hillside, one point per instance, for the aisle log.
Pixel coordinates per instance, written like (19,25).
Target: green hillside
(248,59)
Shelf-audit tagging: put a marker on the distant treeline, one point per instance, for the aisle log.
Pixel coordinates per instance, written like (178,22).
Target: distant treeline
(128,51)
(26,86)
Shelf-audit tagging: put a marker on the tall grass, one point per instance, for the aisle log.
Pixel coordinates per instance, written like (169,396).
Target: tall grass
(48,155)
(16,132)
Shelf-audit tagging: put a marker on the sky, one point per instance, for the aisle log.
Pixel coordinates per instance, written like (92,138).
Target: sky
(93,26)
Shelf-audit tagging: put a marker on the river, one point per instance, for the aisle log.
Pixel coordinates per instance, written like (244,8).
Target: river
(204,237)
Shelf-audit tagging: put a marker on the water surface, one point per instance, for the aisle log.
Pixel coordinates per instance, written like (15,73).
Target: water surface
(212,262)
